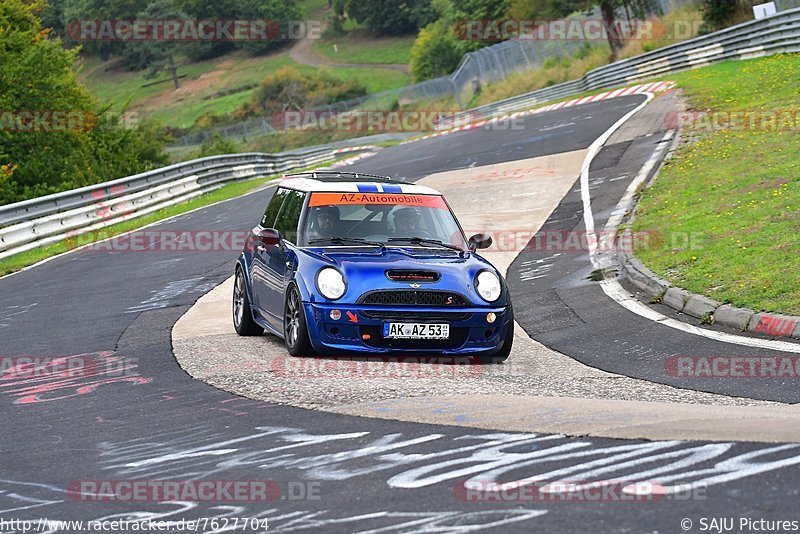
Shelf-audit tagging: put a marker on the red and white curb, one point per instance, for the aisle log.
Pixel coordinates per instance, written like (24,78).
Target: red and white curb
(355,149)
(348,161)
(654,87)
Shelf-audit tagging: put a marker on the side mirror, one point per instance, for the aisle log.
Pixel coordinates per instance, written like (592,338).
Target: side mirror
(269,237)
(479,241)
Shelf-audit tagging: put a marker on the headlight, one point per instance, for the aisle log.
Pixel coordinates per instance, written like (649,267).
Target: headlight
(488,286)
(330,283)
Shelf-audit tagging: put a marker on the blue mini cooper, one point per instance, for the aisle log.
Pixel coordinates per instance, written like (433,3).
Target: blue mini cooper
(357,264)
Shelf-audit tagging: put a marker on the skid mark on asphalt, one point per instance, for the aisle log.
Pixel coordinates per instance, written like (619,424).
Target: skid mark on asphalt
(423,460)
(162,298)
(33,380)
(538,268)
(11,313)
(450,465)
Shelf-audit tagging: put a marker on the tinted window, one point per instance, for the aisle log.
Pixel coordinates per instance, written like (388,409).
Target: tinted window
(366,217)
(289,215)
(274,206)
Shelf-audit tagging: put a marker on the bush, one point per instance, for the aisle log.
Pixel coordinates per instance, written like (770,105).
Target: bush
(435,52)
(389,17)
(288,89)
(719,14)
(216,145)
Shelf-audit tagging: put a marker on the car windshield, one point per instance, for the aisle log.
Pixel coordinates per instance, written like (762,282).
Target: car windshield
(351,219)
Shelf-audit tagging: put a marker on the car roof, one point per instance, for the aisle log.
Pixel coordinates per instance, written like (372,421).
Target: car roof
(351,182)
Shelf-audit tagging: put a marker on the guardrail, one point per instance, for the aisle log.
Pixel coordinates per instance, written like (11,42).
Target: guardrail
(41,221)
(779,33)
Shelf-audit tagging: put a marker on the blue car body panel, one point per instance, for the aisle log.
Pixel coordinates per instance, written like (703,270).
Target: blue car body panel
(269,273)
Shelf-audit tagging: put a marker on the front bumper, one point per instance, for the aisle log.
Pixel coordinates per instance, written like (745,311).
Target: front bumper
(359,330)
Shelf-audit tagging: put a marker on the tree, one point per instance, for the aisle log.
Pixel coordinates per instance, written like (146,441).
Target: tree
(717,14)
(556,9)
(435,52)
(37,77)
(157,55)
(389,17)
(81,10)
(481,9)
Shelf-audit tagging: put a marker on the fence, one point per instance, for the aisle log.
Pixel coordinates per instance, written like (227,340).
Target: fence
(31,223)
(487,65)
(779,33)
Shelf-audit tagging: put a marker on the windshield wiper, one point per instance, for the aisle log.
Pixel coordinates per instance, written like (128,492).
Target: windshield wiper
(421,240)
(341,240)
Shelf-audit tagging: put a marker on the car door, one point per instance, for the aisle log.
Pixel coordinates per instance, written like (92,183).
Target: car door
(276,262)
(260,275)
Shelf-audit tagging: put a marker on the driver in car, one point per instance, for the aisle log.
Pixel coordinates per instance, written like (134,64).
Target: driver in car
(325,221)
(407,223)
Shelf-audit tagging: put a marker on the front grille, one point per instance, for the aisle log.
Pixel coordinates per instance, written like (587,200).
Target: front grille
(413,298)
(415,316)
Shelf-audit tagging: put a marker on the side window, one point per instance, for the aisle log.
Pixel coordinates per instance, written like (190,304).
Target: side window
(274,206)
(289,216)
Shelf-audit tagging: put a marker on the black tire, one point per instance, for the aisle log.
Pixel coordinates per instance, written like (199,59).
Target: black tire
(505,349)
(242,314)
(295,330)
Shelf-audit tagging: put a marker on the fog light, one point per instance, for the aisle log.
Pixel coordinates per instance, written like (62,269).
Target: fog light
(490,318)
(336,315)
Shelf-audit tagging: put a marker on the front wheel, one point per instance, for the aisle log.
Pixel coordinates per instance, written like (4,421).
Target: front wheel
(295,330)
(242,314)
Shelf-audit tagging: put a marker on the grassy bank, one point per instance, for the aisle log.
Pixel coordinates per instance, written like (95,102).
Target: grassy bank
(218,86)
(358,46)
(737,190)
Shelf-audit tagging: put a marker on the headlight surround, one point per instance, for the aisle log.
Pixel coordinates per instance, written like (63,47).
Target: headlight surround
(331,283)
(488,286)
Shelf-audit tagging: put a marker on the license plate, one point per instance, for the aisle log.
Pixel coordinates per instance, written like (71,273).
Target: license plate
(416,330)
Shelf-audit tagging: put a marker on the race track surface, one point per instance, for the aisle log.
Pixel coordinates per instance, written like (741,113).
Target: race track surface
(135,415)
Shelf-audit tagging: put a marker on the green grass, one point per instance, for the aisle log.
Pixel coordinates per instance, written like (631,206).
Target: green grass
(737,191)
(311,8)
(375,80)
(357,47)
(200,90)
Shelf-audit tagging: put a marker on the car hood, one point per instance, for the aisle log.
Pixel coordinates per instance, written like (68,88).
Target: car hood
(365,269)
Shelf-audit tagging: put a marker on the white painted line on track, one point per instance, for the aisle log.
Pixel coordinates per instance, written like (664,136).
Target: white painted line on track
(594,149)
(612,287)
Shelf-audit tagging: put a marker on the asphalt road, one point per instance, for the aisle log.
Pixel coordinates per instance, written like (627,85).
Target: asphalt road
(133,414)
